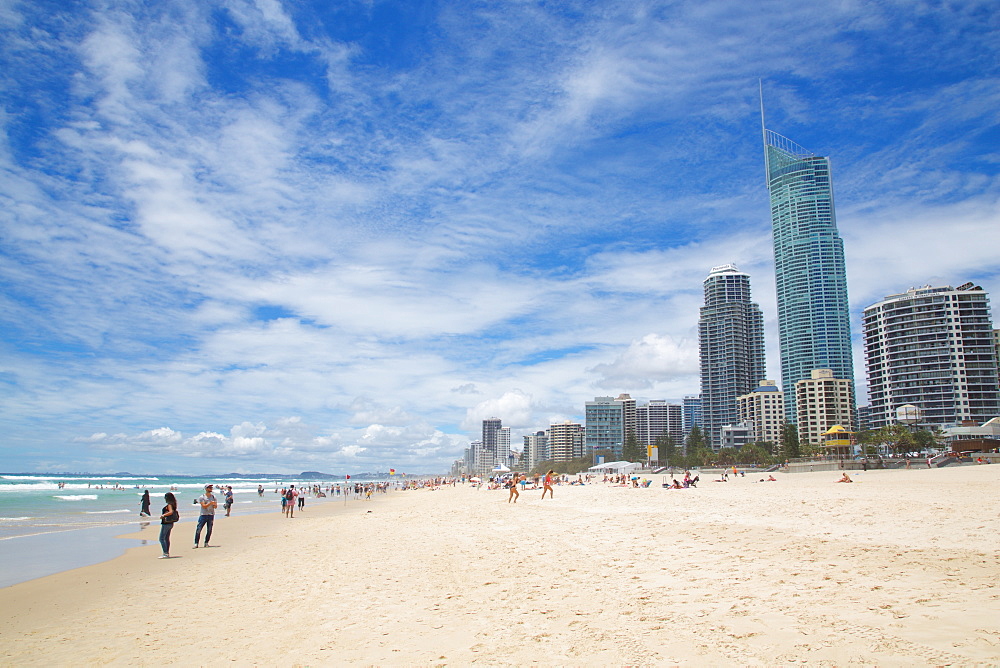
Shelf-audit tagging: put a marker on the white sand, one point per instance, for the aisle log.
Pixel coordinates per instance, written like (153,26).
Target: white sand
(898,569)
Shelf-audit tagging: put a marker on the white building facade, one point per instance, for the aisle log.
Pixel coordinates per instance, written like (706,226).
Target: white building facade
(764,411)
(934,348)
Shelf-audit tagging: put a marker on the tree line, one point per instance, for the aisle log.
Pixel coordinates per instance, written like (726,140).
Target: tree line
(695,450)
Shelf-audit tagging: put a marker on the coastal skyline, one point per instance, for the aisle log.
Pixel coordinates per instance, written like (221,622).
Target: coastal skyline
(257,236)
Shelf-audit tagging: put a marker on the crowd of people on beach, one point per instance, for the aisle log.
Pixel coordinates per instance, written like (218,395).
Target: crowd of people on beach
(516,483)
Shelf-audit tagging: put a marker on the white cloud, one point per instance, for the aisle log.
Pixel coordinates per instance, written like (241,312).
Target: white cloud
(652,358)
(514,408)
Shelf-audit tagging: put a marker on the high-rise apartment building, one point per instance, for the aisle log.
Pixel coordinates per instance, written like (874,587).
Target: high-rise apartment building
(864,414)
(659,418)
(565,441)
(628,414)
(491,428)
(503,454)
(731,343)
(536,449)
(605,426)
(763,410)
(691,413)
(823,401)
(932,348)
(814,326)
(479,460)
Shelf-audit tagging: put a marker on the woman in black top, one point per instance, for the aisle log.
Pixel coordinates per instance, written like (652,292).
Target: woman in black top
(167,519)
(144,504)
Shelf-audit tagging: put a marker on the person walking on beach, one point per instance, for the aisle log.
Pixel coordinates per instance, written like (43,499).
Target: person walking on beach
(168,517)
(144,504)
(290,495)
(228,503)
(512,484)
(207,517)
(302,500)
(547,484)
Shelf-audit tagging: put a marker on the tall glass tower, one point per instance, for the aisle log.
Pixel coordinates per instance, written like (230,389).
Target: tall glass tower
(814,323)
(731,346)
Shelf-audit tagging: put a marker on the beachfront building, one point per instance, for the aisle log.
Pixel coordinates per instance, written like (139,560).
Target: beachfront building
(864,418)
(628,414)
(764,411)
(659,418)
(691,413)
(565,441)
(504,455)
(823,401)
(973,437)
(491,431)
(605,426)
(933,348)
(814,325)
(737,435)
(731,345)
(478,459)
(536,449)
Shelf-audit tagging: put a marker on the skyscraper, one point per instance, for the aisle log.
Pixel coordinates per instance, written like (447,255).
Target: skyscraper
(565,441)
(823,402)
(605,426)
(628,415)
(691,413)
(814,325)
(536,449)
(764,410)
(932,348)
(659,418)
(503,453)
(731,343)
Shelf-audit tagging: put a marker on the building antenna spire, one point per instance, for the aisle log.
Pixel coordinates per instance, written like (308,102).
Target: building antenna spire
(763,134)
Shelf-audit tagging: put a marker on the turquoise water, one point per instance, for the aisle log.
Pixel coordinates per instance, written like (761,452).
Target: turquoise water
(35,504)
(52,523)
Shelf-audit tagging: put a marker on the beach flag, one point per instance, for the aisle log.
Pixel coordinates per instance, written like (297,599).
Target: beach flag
(392,471)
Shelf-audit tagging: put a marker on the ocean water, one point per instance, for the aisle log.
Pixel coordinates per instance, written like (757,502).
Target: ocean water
(52,523)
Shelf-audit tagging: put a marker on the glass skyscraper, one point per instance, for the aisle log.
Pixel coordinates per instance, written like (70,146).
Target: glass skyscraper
(814,324)
(731,346)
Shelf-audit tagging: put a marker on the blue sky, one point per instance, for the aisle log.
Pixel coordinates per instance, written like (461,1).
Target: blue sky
(252,235)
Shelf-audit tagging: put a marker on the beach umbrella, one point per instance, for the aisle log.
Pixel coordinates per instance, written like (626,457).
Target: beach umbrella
(475,479)
(501,468)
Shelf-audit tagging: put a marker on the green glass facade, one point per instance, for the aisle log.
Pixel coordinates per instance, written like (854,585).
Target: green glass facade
(813,313)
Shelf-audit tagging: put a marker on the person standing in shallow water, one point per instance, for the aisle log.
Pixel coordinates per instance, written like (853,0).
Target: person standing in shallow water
(547,484)
(144,504)
(168,517)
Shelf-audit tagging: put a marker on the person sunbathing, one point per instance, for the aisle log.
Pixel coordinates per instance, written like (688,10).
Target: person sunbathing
(845,478)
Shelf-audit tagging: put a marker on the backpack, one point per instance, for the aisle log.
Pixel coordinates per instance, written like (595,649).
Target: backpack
(289,495)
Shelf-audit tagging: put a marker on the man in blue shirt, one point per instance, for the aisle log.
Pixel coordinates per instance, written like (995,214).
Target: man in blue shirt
(207,517)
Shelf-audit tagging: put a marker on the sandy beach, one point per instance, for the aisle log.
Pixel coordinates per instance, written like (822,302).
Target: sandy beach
(899,568)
